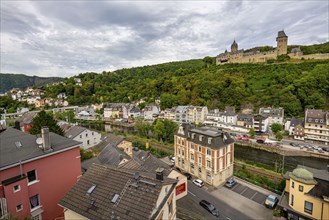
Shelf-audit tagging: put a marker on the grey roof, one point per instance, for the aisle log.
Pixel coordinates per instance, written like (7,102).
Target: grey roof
(114,140)
(112,155)
(74,131)
(271,112)
(11,155)
(134,109)
(137,197)
(132,165)
(26,118)
(114,105)
(282,34)
(86,164)
(245,117)
(294,122)
(218,137)
(319,174)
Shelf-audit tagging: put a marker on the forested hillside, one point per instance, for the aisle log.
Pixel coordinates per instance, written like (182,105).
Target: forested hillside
(294,86)
(9,81)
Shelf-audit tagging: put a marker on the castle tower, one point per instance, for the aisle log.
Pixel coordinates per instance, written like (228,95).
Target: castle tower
(234,47)
(282,43)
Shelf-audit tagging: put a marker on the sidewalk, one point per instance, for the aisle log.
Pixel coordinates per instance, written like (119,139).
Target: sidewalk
(255,187)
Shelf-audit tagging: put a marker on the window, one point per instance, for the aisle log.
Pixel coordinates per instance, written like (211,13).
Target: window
(17,188)
(301,188)
(209,140)
(292,184)
(183,162)
(192,156)
(200,161)
(192,167)
(208,164)
(127,149)
(200,138)
(34,201)
(170,206)
(86,134)
(88,142)
(31,176)
(208,151)
(80,136)
(19,207)
(292,200)
(200,148)
(200,170)
(192,146)
(92,133)
(193,136)
(308,207)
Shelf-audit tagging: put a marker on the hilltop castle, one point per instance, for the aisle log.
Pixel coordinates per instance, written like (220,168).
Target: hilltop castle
(239,56)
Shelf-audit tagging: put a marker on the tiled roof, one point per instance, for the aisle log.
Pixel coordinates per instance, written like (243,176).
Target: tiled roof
(137,197)
(132,165)
(10,154)
(112,155)
(26,118)
(113,139)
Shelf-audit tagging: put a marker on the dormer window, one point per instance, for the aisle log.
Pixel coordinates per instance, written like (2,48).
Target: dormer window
(209,140)
(316,120)
(200,138)
(193,135)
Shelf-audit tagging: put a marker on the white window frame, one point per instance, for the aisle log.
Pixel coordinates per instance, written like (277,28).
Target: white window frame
(33,181)
(18,210)
(18,189)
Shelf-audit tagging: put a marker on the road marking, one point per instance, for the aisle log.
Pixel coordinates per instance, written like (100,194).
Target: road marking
(244,190)
(254,195)
(191,193)
(228,218)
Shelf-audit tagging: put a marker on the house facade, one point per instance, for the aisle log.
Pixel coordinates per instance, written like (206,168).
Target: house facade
(133,196)
(151,112)
(316,127)
(306,195)
(206,153)
(261,123)
(115,110)
(181,114)
(197,114)
(245,120)
(274,115)
(36,173)
(89,138)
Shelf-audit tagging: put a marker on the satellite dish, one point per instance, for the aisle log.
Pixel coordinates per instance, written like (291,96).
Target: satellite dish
(39,141)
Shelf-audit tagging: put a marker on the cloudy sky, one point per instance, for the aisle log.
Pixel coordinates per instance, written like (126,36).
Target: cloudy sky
(65,38)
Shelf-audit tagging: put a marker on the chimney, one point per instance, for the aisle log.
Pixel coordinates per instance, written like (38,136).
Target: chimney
(45,139)
(159,173)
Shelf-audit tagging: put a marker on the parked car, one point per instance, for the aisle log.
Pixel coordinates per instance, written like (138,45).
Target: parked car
(271,201)
(294,144)
(172,159)
(198,182)
(209,207)
(230,183)
(325,149)
(189,176)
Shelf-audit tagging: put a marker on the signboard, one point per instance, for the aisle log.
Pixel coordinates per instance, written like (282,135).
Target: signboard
(180,188)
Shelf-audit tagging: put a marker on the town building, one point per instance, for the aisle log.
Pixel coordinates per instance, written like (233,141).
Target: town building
(151,111)
(306,195)
(207,153)
(24,122)
(115,110)
(196,114)
(169,113)
(181,114)
(291,124)
(274,115)
(35,173)
(245,120)
(299,133)
(261,123)
(89,138)
(316,126)
(134,112)
(109,193)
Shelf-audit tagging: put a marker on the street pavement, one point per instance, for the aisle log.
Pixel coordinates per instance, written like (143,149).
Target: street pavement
(231,205)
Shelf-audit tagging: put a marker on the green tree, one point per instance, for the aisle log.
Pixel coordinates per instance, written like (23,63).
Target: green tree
(278,136)
(252,133)
(276,127)
(143,128)
(45,119)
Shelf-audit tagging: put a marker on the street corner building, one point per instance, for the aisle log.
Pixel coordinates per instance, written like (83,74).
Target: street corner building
(207,153)
(306,195)
(35,173)
(108,193)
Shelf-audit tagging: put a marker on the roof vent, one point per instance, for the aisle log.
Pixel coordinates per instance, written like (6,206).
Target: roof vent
(136,175)
(18,145)
(115,198)
(91,189)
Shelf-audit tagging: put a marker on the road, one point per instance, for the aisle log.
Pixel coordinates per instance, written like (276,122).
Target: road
(226,211)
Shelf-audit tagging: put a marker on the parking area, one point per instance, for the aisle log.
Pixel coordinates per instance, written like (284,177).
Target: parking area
(249,193)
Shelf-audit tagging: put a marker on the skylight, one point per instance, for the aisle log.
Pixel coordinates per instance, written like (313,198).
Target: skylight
(18,144)
(115,198)
(91,189)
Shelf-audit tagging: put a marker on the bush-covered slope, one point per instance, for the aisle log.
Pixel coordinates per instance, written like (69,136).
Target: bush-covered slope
(294,86)
(9,81)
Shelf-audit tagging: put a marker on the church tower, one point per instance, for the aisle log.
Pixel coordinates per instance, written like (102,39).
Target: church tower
(234,47)
(282,43)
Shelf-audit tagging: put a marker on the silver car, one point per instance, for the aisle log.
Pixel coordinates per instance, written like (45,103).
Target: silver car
(271,201)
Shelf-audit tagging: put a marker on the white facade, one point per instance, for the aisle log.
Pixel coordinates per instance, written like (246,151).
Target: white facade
(150,111)
(88,138)
(197,114)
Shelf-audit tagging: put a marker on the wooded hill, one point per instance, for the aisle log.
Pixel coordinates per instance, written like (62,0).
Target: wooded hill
(293,86)
(9,81)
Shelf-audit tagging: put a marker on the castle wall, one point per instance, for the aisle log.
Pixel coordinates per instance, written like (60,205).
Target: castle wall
(317,56)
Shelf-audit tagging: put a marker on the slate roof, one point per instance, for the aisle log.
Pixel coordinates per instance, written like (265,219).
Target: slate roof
(74,131)
(294,122)
(282,34)
(137,196)
(11,155)
(218,137)
(112,155)
(132,165)
(113,139)
(271,112)
(26,118)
